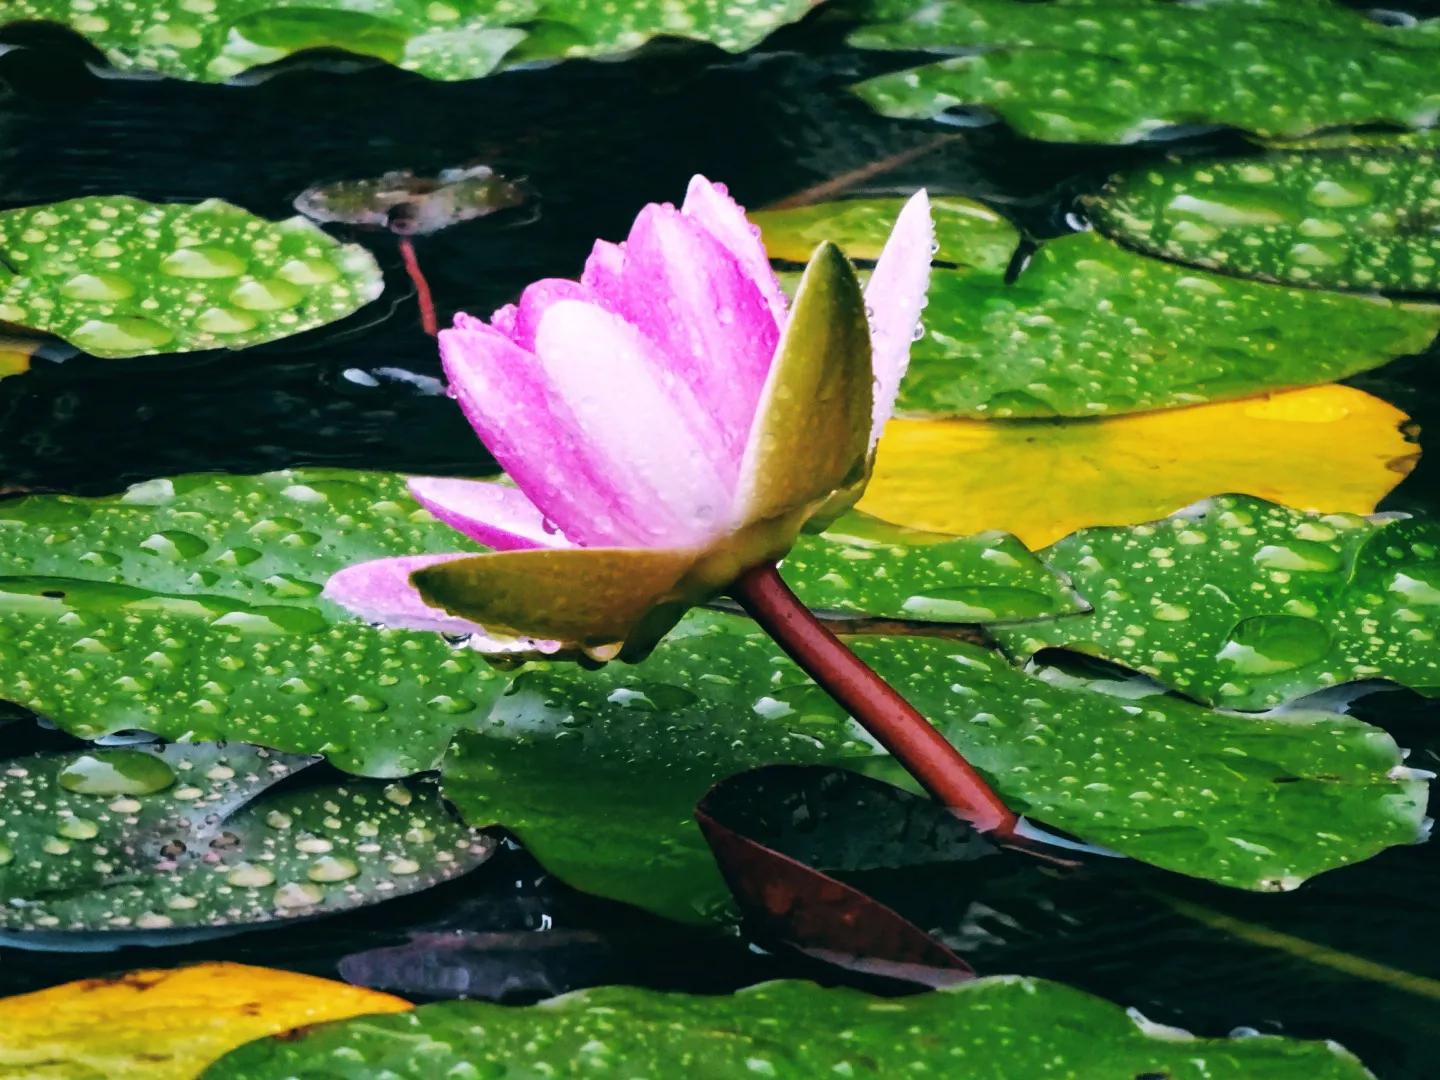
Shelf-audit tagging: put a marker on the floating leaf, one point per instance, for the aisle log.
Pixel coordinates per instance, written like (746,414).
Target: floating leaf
(1351,220)
(412,205)
(118,276)
(863,566)
(190,607)
(1090,328)
(1113,71)
(1245,604)
(166,1025)
(1001,1027)
(968,234)
(447,39)
(562,755)
(960,476)
(15,355)
(138,839)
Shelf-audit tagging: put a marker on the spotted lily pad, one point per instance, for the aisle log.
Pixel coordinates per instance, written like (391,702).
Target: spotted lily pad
(440,39)
(1090,328)
(864,566)
(1246,604)
(562,755)
(1113,71)
(118,276)
(190,607)
(142,839)
(989,1029)
(1346,219)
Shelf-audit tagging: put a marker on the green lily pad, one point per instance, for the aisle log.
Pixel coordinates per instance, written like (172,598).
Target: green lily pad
(1247,604)
(867,567)
(1347,219)
(440,39)
(988,1029)
(158,839)
(190,607)
(562,755)
(1091,328)
(1113,71)
(118,276)
(968,234)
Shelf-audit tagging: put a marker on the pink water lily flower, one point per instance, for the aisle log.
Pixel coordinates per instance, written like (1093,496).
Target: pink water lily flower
(667,422)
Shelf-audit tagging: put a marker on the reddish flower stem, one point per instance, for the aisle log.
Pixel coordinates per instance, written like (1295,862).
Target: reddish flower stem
(912,739)
(422,287)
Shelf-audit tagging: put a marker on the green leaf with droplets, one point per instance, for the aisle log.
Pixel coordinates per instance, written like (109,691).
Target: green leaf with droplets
(212,41)
(118,276)
(867,567)
(968,234)
(1090,328)
(1113,71)
(1246,604)
(562,755)
(1342,219)
(999,1028)
(182,837)
(190,607)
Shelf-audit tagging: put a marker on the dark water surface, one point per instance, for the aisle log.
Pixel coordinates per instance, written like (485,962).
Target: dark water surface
(596,141)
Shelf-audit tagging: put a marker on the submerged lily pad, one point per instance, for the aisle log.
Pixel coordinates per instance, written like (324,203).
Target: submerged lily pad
(412,205)
(998,1028)
(440,39)
(1352,220)
(1113,71)
(1246,604)
(144,839)
(118,276)
(864,566)
(1090,328)
(561,757)
(960,476)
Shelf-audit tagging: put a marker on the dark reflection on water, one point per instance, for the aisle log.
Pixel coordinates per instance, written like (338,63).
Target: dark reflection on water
(597,140)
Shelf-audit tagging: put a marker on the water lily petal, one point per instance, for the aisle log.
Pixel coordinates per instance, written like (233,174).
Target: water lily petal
(894,297)
(496,515)
(512,403)
(686,292)
(722,217)
(536,300)
(590,597)
(379,591)
(812,428)
(657,442)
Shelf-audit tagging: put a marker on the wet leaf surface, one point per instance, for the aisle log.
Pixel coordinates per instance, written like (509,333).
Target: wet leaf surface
(1340,219)
(118,276)
(139,839)
(1147,774)
(997,1028)
(1113,71)
(165,1025)
(463,39)
(412,205)
(1043,479)
(778,833)
(1246,605)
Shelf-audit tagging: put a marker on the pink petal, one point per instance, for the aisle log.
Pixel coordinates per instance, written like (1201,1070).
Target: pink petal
(379,591)
(515,408)
(687,293)
(895,297)
(712,208)
(534,302)
(658,443)
(495,515)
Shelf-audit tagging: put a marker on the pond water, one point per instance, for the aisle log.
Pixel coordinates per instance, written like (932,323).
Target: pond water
(1350,956)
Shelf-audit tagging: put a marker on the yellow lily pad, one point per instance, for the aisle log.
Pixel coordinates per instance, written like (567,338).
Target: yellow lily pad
(1327,448)
(165,1025)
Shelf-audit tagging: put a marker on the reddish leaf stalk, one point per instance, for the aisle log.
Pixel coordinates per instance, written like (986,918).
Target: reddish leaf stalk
(924,752)
(422,287)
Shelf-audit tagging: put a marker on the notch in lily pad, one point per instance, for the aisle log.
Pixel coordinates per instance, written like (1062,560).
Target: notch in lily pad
(118,276)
